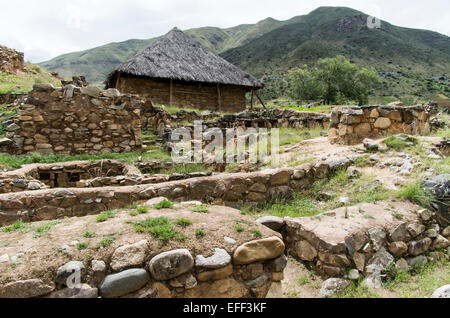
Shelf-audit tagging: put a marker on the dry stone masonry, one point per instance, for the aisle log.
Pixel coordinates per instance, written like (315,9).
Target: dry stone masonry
(11,61)
(137,266)
(350,125)
(76,120)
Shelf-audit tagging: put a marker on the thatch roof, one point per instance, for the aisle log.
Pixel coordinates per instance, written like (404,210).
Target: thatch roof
(178,56)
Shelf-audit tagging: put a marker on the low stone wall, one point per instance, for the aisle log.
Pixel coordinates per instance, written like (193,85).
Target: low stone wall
(350,125)
(13,98)
(368,240)
(76,120)
(11,61)
(222,189)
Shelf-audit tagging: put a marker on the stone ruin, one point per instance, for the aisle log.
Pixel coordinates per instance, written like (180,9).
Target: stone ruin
(351,125)
(74,120)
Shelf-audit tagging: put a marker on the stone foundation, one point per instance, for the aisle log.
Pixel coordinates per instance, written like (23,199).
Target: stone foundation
(350,125)
(75,120)
(223,189)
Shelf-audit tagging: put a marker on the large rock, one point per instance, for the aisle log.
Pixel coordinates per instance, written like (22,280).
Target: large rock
(398,248)
(442,292)
(419,247)
(69,271)
(305,251)
(378,237)
(258,250)
(171,264)
(221,258)
(382,123)
(129,255)
(399,233)
(333,286)
(85,291)
(440,243)
(25,289)
(379,262)
(123,283)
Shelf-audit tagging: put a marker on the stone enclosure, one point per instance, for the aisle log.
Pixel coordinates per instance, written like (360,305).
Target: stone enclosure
(350,125)
(75,120)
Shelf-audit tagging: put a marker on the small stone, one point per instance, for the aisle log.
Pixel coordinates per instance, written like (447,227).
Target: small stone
(216,274)
(229,240)
(419,247)
(415,229)
(33,185)
(298,174)
(278,264)
(442,292)
(91,91)
(123,283)
(378,237)
(417,261)
(277,276)
(399,233)
(126,256)
(171,264)
(152,202)
(425,214)
(98,266)
(398,248)
(379,262)
(221,258)
(401,265)
(431,233)
(4,258)
(111,92)
(373,281)
(353,274)
(352,172)
(440,243)
(333,286)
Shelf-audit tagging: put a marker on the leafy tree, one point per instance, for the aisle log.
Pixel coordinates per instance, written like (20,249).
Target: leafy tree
(333,79)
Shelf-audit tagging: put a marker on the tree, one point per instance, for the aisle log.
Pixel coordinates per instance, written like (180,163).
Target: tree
(331,79)
(304,84)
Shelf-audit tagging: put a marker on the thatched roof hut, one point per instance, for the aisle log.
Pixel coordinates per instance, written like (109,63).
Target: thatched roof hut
(177,59)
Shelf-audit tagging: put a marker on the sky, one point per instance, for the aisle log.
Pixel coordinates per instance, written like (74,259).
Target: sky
(44,29)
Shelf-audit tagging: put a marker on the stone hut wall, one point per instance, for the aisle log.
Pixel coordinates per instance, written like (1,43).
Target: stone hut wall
(350,125)
(184,94)
(76,120)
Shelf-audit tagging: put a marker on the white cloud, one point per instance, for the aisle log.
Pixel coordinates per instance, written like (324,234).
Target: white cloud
(47,28)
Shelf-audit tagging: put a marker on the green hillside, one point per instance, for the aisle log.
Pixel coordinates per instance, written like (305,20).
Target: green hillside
(413,63)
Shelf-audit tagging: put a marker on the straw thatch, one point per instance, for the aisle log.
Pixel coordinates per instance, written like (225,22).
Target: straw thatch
(179,57)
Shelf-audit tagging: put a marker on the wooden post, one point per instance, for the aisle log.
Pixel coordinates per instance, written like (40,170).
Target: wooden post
(170,92)
(117,81)
(251,102)
(260,100)
(219,97)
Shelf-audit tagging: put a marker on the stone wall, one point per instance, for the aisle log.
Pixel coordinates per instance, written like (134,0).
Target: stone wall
(76,120)
(222,264)
(184,94)
(223,189)
(350,125)
(370,241)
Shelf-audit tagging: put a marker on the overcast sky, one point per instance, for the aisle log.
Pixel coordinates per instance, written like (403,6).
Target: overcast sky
(44,29)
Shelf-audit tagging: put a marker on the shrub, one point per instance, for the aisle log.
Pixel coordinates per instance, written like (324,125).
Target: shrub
(183,222)
(200,232)
(165,204)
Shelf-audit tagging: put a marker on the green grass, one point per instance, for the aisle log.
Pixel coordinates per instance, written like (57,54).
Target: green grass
(415,193)
(13,161)
(200,233)
(165,204)
(105,242)
(161,228)
(239,228)
(183,222)
(292,136)
(82,246)
(16,226)
(318,109)
(200,209)
(44,229)
(256,233)
(24,83)
(88,234)
(399,143)
(304,279)
(142,210)
(106,215)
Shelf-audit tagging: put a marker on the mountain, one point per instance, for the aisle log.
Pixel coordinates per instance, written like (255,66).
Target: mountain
(96,63)
(411,62)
